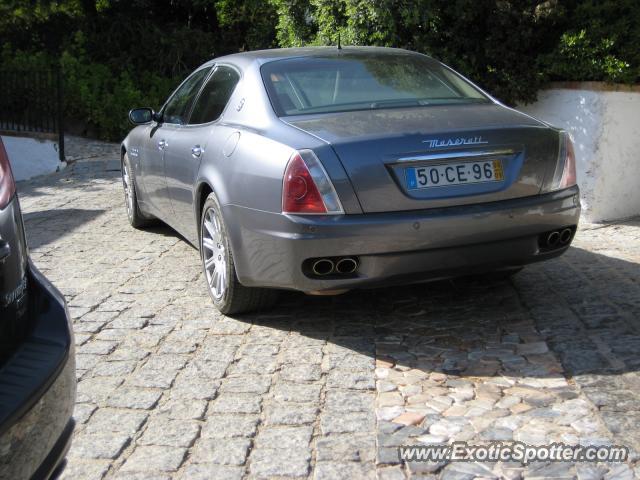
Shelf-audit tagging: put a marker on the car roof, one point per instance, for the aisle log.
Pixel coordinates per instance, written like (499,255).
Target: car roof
(270,55)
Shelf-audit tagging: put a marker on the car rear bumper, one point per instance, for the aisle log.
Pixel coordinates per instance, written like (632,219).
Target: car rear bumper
(399,247)
(38,388)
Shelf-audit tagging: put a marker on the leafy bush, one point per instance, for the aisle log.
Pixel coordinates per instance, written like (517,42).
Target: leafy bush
(578,56)
(101,98)
(93,95)
(600,43)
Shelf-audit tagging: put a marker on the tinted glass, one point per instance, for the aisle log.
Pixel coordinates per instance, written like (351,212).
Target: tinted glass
(300,86)
(215,95)
(177,108)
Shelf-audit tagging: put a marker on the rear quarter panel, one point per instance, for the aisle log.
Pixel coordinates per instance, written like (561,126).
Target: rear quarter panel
(251,176)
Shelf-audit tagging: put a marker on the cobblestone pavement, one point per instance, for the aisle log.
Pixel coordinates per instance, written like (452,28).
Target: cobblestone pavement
(327,388)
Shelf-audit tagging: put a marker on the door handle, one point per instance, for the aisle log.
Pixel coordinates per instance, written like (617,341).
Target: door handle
(196,151)
(162,144)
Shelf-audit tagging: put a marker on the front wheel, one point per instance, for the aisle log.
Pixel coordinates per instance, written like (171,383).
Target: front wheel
(228,294)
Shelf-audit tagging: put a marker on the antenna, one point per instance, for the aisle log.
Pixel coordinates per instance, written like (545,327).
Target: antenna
(339,46)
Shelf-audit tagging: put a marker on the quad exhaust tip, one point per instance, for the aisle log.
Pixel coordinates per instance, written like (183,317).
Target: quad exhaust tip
(557,238)
(346,265)
(337,266)
(553,239)
(323,267)
(565,236)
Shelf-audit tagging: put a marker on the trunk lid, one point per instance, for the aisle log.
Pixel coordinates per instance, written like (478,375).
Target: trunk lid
(378,147)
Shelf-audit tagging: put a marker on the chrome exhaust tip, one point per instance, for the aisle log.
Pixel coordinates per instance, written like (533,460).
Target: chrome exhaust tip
(322,267)
(553,239)
(565,236)
(346,265)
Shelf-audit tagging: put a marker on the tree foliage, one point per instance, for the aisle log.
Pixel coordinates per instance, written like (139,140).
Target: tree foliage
(121,53)
(600,43)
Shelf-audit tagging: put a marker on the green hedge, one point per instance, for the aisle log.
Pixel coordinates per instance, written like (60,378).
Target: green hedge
(118,54)
(601,43)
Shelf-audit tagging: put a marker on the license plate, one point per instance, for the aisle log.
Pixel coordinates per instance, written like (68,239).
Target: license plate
(454,174)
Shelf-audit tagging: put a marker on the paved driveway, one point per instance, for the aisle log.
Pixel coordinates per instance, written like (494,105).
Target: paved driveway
(327,388)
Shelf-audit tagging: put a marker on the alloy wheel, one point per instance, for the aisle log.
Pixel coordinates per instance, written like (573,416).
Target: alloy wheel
(214,253)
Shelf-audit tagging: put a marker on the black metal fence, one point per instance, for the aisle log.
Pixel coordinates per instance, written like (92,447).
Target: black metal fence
(31,101)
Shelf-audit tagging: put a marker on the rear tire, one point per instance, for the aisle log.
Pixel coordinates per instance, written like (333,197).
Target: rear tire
(136,218)
(228,294)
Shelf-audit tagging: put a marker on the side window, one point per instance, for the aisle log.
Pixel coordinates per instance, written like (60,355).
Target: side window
(177,108)
(215,95)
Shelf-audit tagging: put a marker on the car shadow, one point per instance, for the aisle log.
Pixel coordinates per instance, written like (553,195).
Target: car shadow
(568,302)
(43,227)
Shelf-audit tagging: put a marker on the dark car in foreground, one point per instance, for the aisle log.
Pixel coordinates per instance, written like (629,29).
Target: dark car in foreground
(37,366)
(326,169)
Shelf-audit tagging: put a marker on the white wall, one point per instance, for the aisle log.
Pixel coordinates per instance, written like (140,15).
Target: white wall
(605,128)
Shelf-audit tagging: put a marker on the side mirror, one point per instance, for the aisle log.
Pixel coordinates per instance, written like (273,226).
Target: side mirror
(140,116)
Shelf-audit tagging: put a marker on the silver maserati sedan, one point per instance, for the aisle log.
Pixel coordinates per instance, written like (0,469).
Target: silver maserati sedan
(327,169)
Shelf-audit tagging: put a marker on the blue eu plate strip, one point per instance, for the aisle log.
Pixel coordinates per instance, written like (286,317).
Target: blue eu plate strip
(410,175)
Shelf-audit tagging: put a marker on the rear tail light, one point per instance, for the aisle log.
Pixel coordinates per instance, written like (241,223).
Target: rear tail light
(565,173)
(7,185)
(569,172)
(306,188)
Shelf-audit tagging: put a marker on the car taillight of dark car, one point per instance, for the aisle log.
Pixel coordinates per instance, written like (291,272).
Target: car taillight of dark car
(7,184)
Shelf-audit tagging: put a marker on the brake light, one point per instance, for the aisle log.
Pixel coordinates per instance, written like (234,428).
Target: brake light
(564,175)
(569,171)
(306,187)
(7,185)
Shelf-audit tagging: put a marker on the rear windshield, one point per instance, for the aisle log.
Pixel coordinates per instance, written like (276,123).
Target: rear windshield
(306,85)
